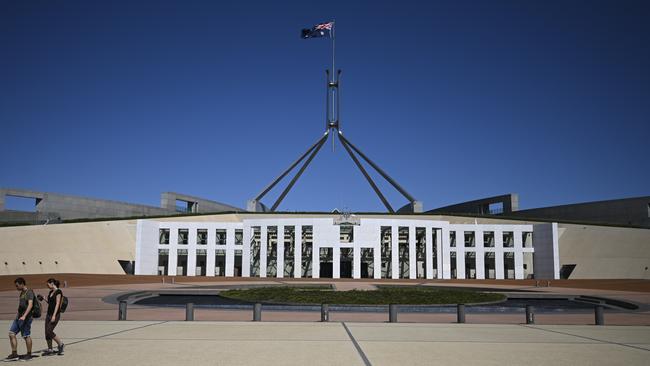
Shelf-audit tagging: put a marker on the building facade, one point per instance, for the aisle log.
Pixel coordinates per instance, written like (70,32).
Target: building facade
(391,247)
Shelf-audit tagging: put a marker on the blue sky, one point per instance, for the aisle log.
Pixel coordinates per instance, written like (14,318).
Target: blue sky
(457,100)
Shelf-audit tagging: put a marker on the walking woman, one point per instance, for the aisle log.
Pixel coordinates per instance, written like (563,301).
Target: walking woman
(54,300)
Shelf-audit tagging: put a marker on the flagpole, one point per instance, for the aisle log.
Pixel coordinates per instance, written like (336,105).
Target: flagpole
(333,70)
(333,47)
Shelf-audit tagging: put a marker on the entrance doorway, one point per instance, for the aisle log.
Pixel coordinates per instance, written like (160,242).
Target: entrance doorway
(326,259)
(367,263)
(347,257)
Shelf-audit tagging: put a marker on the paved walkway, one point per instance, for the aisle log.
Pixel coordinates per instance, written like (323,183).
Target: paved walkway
(162,343)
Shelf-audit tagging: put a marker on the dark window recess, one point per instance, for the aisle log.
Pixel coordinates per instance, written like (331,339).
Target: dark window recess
(127,266)
(495,208)
(24,204)
(566,271)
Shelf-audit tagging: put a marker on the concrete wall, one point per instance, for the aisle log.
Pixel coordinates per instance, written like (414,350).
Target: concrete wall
(547,257)
(57,207)
(168,201)
(481,206)
(628,211)
(93,247)
(67,207)
(605,251)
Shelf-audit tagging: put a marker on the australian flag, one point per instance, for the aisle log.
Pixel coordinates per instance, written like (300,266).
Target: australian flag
(318,31)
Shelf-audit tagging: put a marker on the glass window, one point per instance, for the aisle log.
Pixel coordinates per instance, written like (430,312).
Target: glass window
(346,234)
(202,236)
(508,239)
(307,251)
(488,239)
(386,251)
(163,236)
(183,236)
(527,239)
(221,237)
(469,239)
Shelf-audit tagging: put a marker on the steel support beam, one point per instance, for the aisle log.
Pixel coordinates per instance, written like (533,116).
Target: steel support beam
(284,174)
(379,170)
(318,145)
(365,174)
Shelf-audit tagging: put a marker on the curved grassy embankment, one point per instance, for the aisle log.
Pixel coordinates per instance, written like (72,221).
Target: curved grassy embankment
(382,296)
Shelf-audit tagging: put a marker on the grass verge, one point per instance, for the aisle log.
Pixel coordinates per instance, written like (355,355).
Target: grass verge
(381,296)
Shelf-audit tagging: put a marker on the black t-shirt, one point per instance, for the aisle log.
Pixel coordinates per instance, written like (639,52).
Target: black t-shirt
(51,300)
(25,296)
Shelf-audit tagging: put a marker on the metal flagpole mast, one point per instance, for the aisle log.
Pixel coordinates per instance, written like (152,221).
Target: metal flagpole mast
(333,47)
(333,32)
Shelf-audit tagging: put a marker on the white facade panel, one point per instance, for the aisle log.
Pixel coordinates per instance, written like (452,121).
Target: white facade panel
(366,234)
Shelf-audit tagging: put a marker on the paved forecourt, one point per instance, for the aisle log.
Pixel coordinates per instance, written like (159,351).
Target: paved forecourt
(163,343)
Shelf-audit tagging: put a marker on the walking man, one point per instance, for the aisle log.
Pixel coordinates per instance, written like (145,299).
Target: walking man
(23,321)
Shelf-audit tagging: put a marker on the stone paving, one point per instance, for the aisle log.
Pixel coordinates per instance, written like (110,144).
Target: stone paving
(159,336)
(162,343)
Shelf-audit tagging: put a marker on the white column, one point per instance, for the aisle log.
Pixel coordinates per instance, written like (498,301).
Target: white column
(191,251)
(173,261)
(394,251)
(209,260)
(498,254)
(460,254)
(191,261)
(376,259)
(297,273)
(230,252)
(315,255)
(480,254)
(556,251)
(263,234)
(439,252)
(336,262)
(412,259)
(429,253)
(356,262)
(519,256)
(246,252)
(446,254)
(173,254)
(280,258)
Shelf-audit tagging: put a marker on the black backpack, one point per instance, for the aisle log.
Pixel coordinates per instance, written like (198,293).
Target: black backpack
(36,307)
(64,304)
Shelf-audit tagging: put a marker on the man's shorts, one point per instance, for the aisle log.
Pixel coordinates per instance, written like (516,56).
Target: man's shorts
(22,326)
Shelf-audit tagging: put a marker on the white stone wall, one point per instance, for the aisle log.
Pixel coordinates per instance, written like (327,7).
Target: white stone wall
(326,235)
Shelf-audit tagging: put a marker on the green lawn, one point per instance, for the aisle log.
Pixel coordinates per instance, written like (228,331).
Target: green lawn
(382,296)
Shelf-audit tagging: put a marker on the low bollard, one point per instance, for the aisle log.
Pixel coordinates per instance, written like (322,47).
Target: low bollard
(324,313)
(163,280)
(600,315)
(392,313)
(257,312)
(65,284)
(121,313)
(189,311)
(173,280)
(460,310)
(530,314)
